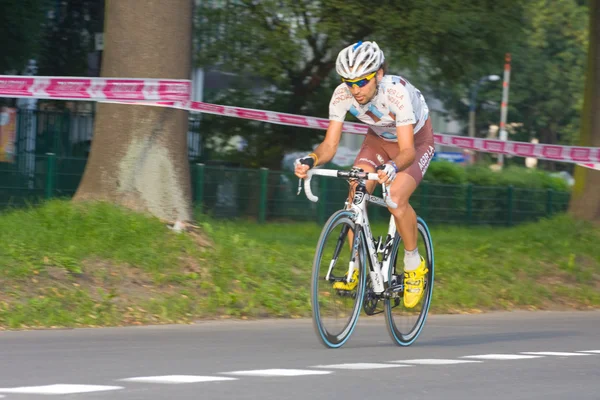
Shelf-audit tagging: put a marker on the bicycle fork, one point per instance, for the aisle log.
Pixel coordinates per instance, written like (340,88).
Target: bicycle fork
(338,248)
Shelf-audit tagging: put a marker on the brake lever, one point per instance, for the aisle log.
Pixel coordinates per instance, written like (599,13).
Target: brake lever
(299,186)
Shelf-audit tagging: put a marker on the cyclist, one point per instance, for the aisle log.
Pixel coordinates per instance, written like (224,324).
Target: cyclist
(398,145)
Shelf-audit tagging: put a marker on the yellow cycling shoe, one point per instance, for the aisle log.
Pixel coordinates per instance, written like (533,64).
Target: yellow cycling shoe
(414,285)
(345,285)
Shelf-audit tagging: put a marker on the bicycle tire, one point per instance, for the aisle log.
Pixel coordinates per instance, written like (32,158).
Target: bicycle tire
(406,337)
(319,299)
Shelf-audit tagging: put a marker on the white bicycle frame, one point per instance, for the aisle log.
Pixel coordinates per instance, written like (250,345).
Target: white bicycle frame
(379,275)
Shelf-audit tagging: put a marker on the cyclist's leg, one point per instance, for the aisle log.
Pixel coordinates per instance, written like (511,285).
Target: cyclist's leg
(405,217)
(406,183)
(369,157)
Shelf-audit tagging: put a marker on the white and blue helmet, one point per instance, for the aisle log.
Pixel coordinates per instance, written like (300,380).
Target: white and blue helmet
(359,59)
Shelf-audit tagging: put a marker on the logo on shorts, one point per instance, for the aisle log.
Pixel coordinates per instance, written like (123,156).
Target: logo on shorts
(380,159)
(426,159)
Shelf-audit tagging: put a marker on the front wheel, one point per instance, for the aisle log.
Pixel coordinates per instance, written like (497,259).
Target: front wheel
(335,311)
(405,324)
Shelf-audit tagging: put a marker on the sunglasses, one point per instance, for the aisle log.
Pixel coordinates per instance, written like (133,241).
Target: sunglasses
(359,82)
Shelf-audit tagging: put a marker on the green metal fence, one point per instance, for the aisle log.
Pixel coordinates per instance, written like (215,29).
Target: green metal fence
(265,195)
(69,134)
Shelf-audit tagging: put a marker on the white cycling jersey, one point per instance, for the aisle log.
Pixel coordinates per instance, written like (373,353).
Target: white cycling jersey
(396,103)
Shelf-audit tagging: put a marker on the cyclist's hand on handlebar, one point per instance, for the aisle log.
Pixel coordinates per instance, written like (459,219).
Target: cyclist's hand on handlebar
(387,172)
(302,165)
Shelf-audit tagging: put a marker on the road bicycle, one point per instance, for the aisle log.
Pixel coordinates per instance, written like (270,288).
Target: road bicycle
(376,264)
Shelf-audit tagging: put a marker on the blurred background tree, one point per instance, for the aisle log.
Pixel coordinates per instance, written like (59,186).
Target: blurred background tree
(69,37)
(585,201)
(21,27)
(547,77)
(289,47)
(280,56)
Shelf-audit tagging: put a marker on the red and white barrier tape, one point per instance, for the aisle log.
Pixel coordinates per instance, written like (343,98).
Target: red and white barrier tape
(586,156)
(175,94)
(94,89)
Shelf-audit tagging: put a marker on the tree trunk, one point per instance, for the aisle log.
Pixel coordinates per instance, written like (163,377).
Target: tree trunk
(585,202)
(138,157)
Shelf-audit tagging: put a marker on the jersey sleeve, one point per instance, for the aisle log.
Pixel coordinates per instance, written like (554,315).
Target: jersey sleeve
(400,105)
(340,103)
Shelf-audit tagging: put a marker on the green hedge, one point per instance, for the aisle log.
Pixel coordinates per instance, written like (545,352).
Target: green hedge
(519,177)
(478,195)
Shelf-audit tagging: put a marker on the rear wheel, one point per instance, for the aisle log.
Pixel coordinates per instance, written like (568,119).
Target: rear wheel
(405,324)
(335,311)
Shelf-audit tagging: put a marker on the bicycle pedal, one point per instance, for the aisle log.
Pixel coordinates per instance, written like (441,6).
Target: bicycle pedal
(346,293)
(396,286)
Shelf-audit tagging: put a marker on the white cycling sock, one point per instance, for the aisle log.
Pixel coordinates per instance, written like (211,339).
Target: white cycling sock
(412,259)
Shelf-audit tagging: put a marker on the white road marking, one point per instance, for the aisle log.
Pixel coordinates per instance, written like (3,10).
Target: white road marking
(554,353)
(177,379)
(59,389)
(278,372)
(435,361)
(360,366)
(501,356)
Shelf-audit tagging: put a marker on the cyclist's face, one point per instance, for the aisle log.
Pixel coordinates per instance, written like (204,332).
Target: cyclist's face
(365,94)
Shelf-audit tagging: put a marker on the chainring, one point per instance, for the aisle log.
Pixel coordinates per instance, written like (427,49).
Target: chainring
(370,300)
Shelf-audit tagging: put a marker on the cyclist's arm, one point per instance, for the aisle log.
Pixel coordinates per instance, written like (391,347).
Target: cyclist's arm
(326,150)
(406,142)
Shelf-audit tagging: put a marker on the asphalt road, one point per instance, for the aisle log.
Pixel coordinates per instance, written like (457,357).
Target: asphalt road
(520,355)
